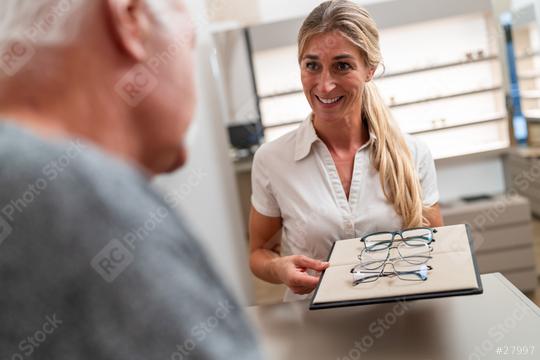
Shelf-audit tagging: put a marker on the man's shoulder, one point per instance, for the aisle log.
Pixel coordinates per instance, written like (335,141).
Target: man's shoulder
(69,198)
(72,185)
(46,166)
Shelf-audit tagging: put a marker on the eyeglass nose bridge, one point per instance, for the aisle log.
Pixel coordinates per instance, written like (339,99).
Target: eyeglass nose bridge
(391,263)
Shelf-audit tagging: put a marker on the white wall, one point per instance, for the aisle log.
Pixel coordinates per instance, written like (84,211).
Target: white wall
(517,4)
(273,10)
(206,185)
(473,177)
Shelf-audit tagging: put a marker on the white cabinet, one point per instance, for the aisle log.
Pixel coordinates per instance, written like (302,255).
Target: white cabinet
(502,233)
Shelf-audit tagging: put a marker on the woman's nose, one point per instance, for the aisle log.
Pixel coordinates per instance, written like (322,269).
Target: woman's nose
(326,83)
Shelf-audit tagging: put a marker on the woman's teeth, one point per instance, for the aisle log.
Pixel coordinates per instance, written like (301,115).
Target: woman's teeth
(329,101)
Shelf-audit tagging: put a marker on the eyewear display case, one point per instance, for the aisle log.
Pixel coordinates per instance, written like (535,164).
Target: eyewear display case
(526,39)
(446,89)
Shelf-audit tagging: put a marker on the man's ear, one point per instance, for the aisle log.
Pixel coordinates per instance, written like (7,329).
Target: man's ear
(130,24)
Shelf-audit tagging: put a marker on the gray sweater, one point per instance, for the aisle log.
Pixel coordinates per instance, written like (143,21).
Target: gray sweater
(95,265)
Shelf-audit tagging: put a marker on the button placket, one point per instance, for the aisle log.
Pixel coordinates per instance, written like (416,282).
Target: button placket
(341,198)
(356,177)
(334,177)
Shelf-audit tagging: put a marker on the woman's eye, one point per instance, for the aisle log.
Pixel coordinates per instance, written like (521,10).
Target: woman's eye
(343,66)
(311,66)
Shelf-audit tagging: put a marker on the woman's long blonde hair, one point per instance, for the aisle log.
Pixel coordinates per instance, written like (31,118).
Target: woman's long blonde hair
(390,154)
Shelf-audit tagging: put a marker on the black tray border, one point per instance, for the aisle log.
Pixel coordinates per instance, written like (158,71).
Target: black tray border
(433,295)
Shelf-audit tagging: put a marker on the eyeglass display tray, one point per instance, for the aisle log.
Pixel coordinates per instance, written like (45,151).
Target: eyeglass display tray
(454,273)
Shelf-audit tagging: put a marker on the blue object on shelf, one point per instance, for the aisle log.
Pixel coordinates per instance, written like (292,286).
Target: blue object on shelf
(518,119)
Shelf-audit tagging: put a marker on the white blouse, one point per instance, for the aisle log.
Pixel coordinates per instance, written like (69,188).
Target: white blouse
(294,177)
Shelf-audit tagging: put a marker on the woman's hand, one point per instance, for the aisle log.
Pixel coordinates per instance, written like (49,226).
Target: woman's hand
(292,271)
(268,265)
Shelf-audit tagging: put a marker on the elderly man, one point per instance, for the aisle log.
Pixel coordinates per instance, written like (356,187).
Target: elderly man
(95,97)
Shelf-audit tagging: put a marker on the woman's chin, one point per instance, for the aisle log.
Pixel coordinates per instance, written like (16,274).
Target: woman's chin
(326,115)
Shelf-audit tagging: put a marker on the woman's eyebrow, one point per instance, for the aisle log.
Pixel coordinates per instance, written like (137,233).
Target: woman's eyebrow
(343,56)
(337,57)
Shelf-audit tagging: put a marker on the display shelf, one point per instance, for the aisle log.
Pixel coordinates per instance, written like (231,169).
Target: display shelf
(475,152)
(532,114)
(500,117)
(449,96)
(439,66)
(529,75)
(528,55)
(525,35)
(530,94)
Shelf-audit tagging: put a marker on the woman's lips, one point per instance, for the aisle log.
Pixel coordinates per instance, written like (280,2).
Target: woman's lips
(329,102)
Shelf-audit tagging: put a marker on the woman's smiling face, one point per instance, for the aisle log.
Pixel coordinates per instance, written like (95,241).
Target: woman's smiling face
(333,74)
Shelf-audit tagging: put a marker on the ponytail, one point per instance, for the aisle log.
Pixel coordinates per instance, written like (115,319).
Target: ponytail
(392,158)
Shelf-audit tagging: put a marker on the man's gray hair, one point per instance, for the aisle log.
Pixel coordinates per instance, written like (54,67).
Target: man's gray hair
(39,21)
(47,22)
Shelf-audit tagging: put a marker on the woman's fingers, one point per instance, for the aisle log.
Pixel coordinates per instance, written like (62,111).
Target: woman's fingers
(309,263)
(301,290)
(292,271)
(304,280)
(304,284)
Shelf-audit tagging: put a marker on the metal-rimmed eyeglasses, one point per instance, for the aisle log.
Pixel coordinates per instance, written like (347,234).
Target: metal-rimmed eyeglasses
(400,268)
(413,254)
(412,237)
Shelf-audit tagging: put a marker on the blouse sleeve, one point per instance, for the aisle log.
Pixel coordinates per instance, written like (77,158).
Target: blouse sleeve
(427,175)
(263,198)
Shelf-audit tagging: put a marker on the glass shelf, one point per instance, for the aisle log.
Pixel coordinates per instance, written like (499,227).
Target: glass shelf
(500,117)
(529,75)
(528,55)
(532,114)
(449,96)
(497,117)
(439,66)
(530,94)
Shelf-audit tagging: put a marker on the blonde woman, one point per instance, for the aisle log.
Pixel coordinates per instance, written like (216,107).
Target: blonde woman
(347,170)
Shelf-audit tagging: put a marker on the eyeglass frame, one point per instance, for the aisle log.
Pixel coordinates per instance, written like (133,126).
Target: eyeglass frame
(389,243)
(382,273)
(401,257)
